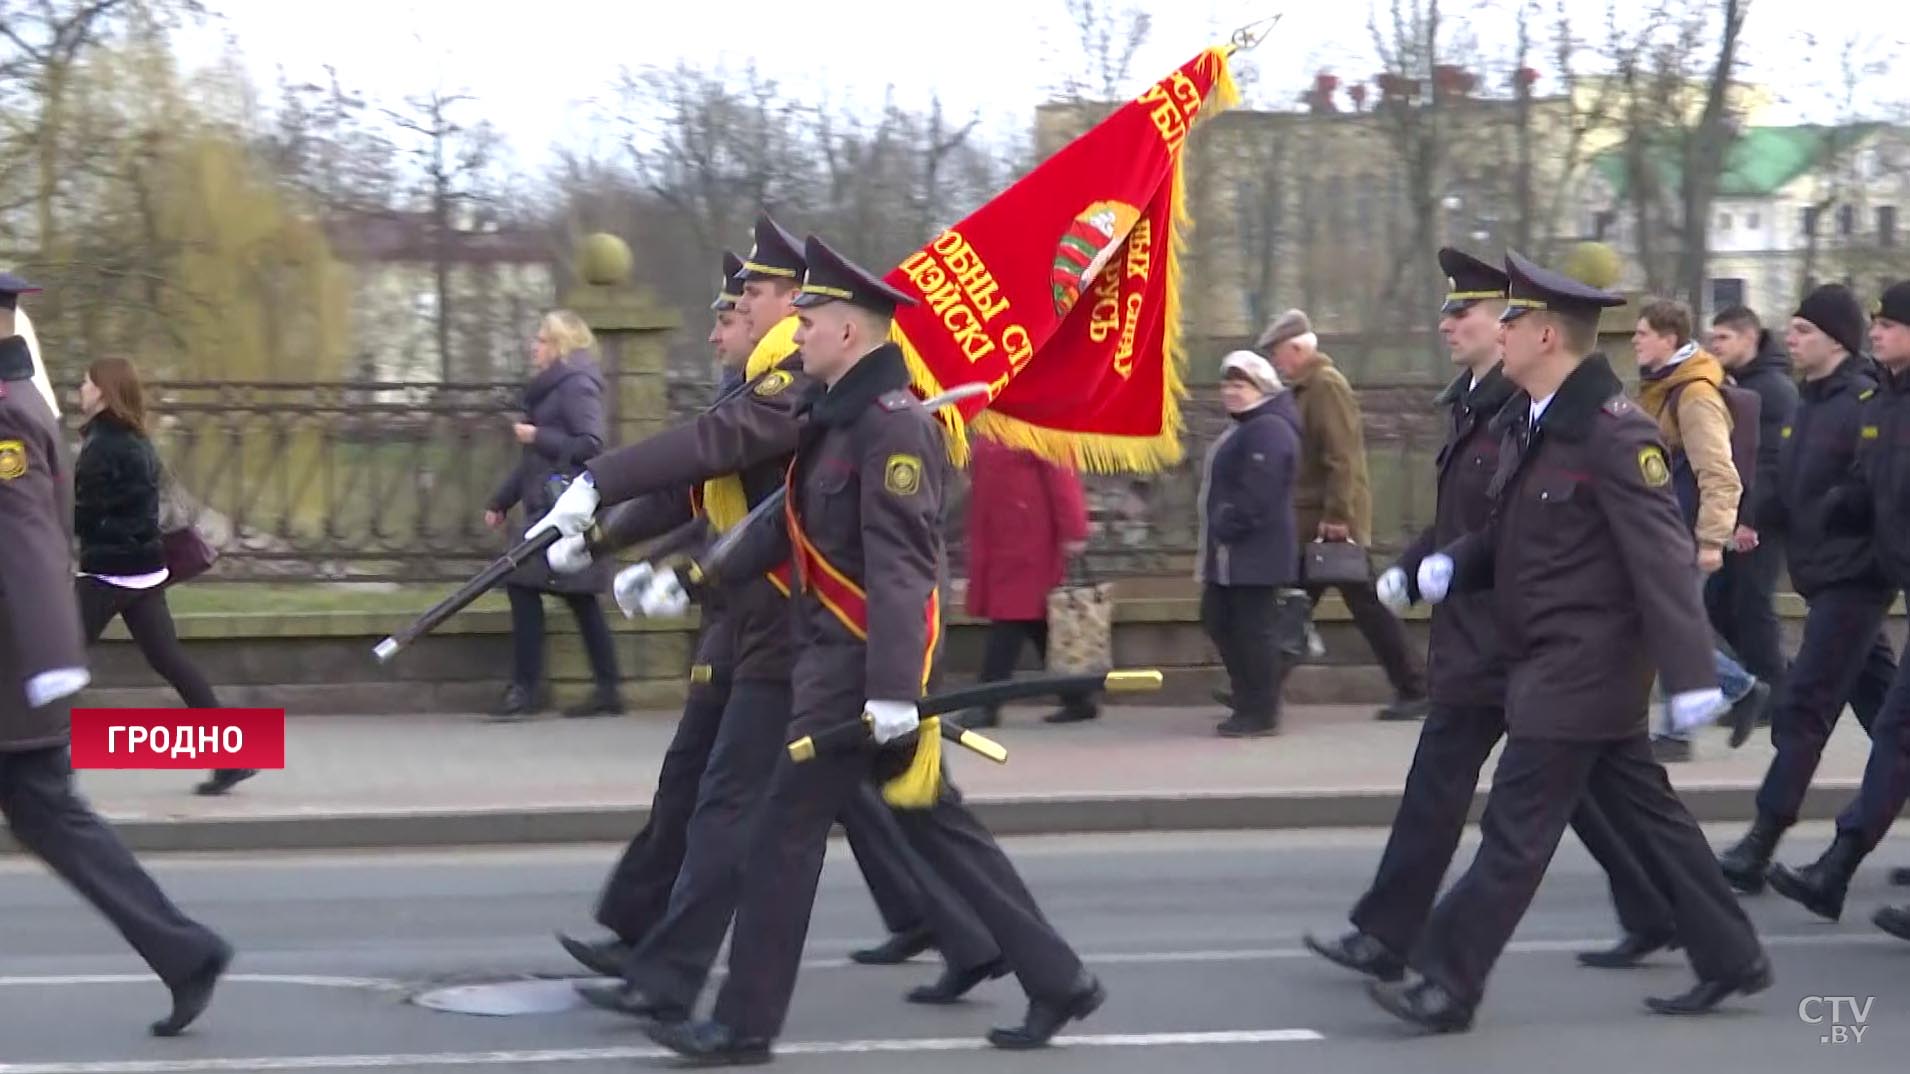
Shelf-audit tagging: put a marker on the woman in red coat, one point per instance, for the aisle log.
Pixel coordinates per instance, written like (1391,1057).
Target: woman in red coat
(1026,517)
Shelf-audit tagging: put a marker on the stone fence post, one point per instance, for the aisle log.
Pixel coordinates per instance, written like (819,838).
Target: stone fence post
(633,336)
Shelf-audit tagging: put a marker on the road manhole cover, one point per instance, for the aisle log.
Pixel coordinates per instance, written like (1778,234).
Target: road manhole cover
(522,995)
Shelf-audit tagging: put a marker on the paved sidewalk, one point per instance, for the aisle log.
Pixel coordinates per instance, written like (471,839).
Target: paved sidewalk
(355,781)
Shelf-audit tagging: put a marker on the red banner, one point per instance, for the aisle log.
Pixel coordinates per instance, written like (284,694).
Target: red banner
(1063,292)
(171,739)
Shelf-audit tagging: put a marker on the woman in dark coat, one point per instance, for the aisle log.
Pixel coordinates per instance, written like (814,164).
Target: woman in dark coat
(1248,549)
(122,557)
(1026,517)
(563,428)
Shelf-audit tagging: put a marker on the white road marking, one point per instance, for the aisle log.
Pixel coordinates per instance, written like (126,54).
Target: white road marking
(376,984)
(587,1055)
(1110,958)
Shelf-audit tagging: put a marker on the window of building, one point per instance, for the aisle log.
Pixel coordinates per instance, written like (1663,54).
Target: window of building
(1751,221)
(1602,224)
(1724,221)
(1727,292)
(1886,225)
(1847,220)
(1810,220)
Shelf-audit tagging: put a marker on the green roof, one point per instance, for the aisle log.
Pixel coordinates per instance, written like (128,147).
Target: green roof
(1758,164)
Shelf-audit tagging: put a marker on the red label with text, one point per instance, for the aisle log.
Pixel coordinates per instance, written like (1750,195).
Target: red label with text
(178,738)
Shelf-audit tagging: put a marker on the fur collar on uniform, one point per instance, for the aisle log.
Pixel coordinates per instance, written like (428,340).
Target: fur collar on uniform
(16,359)
(1569,416)
(880,372)
(1488,395)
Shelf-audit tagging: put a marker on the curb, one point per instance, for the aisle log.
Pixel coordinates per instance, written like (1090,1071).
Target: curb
(1034,815)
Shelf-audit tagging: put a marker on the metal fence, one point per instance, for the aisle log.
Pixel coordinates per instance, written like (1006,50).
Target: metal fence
(376,481)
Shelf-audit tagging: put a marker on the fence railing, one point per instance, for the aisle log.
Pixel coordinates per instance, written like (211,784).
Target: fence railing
(378,481)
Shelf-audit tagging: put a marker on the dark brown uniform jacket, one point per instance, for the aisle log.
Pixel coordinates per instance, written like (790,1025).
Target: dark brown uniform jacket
(1594,570)
(39,618)
(1466,666)
(752,434)
(869,487)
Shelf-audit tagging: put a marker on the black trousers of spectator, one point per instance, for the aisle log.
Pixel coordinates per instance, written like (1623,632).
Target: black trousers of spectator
(1741,601)
(1385,633)
(527,637)
(1002,651)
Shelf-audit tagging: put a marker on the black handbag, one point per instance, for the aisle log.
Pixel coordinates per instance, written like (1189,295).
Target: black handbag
(188,555)
(1335,563)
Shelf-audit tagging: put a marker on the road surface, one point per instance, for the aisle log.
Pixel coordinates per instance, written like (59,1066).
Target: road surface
(1195,935)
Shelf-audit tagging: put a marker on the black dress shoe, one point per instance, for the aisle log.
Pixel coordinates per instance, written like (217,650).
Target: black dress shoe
(1894,920)
(191,996)
(604,957)
(710,1044)
(897,949)
(622,998)
(1360,953)
(1077,713)
(1238,726)
(953,984)
(1422,1003)
(1822,885)
(1046,1018)
(601,702)
(1707,994)
(1405,709)
(223,780)
(1629,951)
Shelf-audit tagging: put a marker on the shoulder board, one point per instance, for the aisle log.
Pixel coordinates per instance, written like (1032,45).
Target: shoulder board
(1866,393)
(1618,406)
(900,399)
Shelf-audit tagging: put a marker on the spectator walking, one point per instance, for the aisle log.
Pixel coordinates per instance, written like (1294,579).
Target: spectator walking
(1026,519)
(1248,553)
(563,428)
(1332,497)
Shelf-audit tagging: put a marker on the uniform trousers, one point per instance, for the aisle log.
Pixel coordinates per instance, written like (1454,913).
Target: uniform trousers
(908,893)
(1830,671)
(638,891)
(772,923)
(50,819)
(1536,789)
(1453,745)
(1886,783)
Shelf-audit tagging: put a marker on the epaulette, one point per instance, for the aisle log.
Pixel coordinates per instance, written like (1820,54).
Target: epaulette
(1618,406)
(899,399)
(1866,393)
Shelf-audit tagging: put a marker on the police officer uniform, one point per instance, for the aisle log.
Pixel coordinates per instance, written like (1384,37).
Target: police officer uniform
(1466,674)
(864,525)
(750,433)
(1847,598)
(42,665)
(1593,575)
(1875,502)
(637,892)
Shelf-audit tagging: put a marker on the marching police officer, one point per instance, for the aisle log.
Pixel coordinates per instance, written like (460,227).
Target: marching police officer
(1877,502)
(1890,335)
(864,523)
(637,892)
(1467,676)
(751,434)
(1838,575)
(1594,580)
(42,665)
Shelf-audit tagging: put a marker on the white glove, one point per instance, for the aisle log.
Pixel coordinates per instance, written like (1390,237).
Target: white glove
(1695,708)
(663,597)
(1391,588)
(569,555)
(1435,577)
(629,586)
(573,510)
(892,719)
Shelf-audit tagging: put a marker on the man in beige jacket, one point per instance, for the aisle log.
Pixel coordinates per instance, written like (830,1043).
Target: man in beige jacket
(1332,497)
(1679,385)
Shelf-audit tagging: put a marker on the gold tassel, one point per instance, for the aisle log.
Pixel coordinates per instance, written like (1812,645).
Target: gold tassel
(921,784)
(724,501)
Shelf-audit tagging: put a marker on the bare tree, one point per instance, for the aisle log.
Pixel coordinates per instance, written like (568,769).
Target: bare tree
(1108,41)
(454,159)
(1706,144)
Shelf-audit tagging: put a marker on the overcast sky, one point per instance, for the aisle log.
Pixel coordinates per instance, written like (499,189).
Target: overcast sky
(536,66)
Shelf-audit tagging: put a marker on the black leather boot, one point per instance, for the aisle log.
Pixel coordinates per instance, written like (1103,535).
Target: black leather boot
(1422,1003)
(1820,886)
(897,949)
(1747,861)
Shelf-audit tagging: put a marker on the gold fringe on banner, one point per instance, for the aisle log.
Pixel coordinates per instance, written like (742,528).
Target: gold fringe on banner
(1104,453)
(724,501)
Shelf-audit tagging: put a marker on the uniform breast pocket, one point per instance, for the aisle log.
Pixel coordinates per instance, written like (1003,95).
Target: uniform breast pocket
(1554,490)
